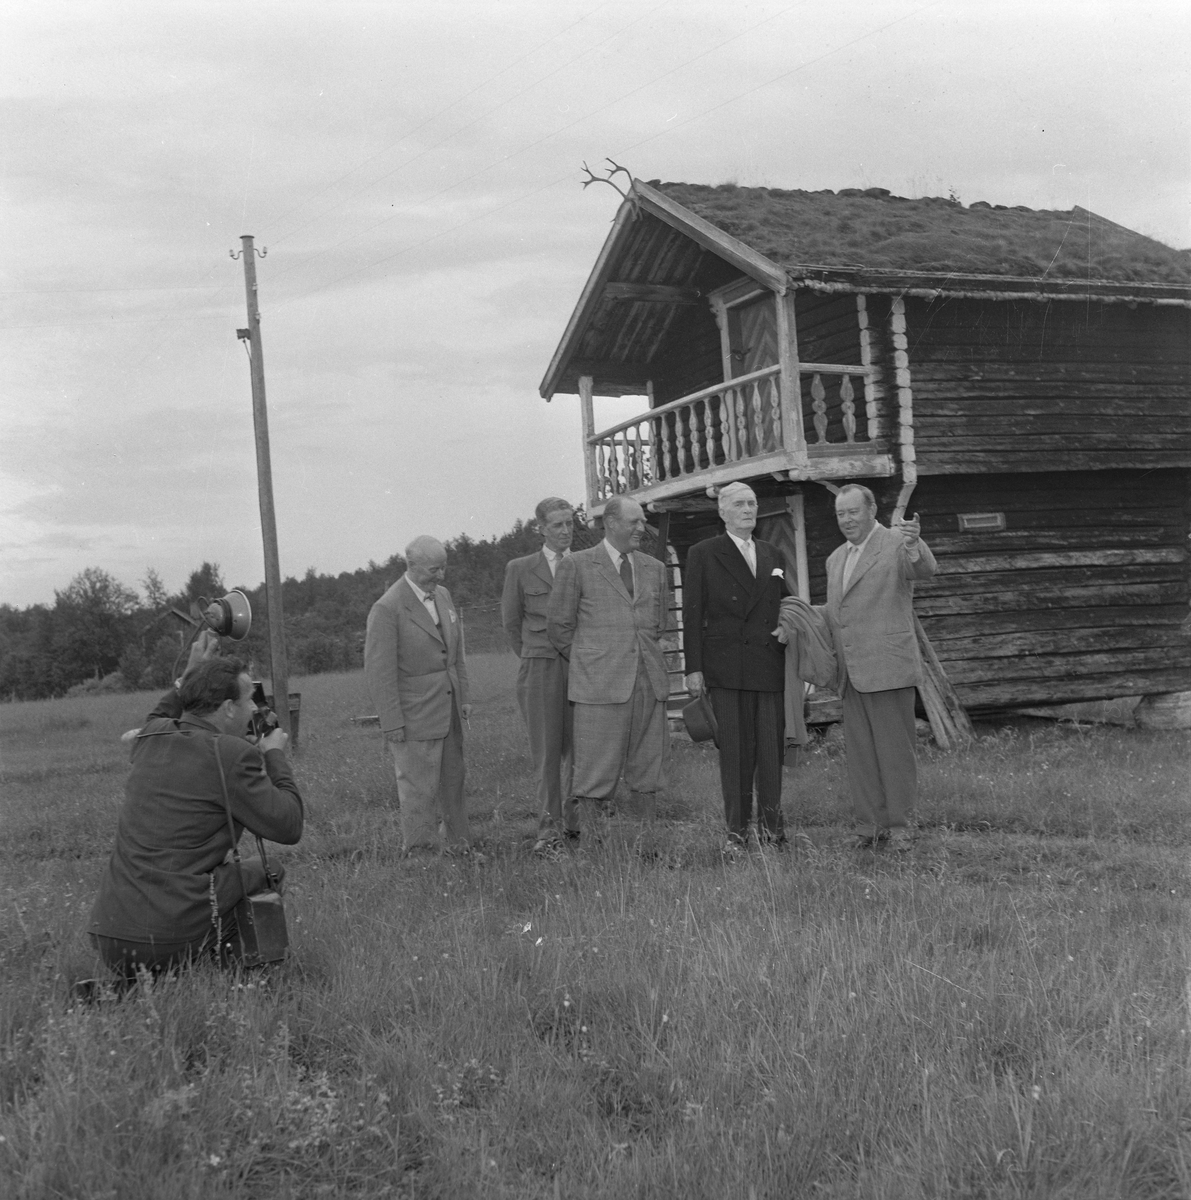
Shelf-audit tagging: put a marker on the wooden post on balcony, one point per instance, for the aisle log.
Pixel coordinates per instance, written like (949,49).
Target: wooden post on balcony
(586,385)
(793,434)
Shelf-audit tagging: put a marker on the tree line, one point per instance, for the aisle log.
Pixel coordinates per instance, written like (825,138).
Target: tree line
(101,635)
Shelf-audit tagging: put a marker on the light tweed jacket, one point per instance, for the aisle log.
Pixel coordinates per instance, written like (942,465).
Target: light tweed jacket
(604,631)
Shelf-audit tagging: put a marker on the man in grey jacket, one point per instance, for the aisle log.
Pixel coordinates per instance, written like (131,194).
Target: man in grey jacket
(416,672)
(870,594)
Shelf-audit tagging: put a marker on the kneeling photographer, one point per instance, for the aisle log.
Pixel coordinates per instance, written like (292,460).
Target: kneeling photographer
(196,783)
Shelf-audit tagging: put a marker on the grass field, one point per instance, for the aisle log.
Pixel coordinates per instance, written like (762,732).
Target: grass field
(1004,1012)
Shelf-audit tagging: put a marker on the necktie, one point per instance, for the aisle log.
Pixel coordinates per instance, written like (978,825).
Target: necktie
(750,555)
(850,565)
(552,563)
(626,573)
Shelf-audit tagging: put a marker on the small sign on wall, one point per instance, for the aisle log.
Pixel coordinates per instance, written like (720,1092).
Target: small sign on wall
(986,522)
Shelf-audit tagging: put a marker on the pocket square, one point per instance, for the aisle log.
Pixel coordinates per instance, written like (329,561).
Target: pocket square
(778,572)
(451,613)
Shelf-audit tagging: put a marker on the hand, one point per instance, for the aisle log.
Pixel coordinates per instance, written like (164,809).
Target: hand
(465,710)
(910,530)
(395,736)
(781,635)
(694,683)
(275,739)
(205,646)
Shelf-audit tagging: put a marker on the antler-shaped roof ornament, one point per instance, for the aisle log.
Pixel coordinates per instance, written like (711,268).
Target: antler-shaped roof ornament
(616,169)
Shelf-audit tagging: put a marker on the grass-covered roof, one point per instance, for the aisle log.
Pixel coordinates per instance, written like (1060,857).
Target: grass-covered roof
(873,230)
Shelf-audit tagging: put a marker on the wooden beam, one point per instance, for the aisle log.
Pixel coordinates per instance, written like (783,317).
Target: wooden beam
(948,720)
(589,454)
(652,293)
(797,506)
(620,374)
(793,432)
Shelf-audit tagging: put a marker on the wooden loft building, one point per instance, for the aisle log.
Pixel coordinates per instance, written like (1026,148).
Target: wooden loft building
(1021,379)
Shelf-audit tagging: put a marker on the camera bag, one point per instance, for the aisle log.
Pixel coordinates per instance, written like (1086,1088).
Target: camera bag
(261,933)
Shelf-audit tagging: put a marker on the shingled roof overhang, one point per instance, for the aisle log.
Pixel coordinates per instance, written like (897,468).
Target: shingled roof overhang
(672,243)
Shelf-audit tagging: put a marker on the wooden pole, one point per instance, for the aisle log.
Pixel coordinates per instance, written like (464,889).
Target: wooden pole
(279,668)
(797,507)
(587,412)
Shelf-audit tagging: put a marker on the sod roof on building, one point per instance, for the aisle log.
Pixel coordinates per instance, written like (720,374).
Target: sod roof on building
(873,230)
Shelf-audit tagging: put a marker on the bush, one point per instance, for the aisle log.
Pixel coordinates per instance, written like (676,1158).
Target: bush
(107,686)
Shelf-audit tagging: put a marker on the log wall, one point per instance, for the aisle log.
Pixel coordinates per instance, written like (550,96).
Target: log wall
(1008,386)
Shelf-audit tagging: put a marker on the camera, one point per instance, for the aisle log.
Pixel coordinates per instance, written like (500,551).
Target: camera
(263,720)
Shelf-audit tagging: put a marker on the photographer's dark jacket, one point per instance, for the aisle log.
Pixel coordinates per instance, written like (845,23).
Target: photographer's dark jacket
(173,836)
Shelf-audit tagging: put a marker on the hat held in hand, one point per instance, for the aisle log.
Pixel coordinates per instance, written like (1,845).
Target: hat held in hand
(699,719)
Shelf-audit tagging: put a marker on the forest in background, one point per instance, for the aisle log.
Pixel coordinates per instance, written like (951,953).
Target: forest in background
(100,635)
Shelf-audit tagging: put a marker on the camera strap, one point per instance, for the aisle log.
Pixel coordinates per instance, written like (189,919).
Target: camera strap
(231,827)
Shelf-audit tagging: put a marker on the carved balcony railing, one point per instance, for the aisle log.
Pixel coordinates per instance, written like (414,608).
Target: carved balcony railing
(829,409)
(722,430)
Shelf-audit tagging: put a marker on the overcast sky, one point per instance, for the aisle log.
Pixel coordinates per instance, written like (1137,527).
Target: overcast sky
(414,169)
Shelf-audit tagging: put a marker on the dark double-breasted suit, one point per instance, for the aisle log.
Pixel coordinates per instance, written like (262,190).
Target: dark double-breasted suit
(728,615)
(541,689)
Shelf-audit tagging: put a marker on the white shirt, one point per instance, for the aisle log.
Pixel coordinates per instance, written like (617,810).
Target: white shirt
(426,598)
(748,548)
(855,550)
(553,558)
(616,556)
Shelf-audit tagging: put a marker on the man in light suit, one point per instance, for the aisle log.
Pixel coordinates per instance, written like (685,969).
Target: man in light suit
(415,670)
(607,611)
(870,593)
(732,589)
(542,677)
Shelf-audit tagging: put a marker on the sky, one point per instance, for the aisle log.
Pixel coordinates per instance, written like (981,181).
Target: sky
(414,169)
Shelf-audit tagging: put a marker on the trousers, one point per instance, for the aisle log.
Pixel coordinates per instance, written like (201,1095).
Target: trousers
(542,698)
(752,735)
(881,747)
(630,739)
(430,777)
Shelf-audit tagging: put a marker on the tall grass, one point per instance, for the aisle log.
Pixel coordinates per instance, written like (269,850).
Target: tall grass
(1004,1012)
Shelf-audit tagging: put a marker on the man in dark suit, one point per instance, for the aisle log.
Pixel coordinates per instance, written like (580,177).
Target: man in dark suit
(542,677)
(607,612)
(416,672)
(870,608)
(732,589)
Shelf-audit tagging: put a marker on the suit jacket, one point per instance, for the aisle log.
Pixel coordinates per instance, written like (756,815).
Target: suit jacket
(172,837)
(604,632)
(872,623)
(727,615)
(415,670)
(523,605)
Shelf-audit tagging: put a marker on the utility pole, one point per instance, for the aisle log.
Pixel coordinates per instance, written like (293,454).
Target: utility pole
(264,479)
